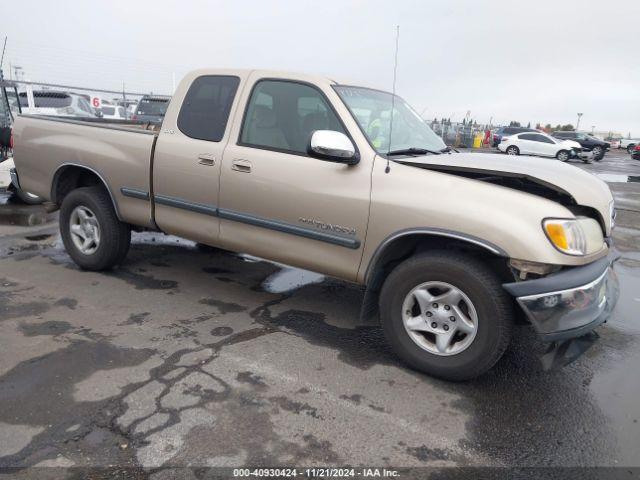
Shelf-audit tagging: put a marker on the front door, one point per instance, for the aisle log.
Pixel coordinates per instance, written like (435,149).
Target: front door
(545,146)
(188,158)
(527,144)
(278,202)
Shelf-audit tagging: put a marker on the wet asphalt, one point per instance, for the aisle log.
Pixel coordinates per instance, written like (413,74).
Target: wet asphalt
(199,357)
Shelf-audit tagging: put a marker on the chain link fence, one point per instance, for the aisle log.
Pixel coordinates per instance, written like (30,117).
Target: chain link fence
(82,102)
(462,135)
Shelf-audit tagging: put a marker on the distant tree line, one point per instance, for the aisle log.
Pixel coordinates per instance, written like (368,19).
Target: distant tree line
(547,128)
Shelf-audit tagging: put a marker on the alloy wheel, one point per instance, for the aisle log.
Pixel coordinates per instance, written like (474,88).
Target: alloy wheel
(440,318)
(85,230)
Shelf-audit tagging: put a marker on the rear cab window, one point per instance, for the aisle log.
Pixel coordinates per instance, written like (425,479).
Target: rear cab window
(205,110)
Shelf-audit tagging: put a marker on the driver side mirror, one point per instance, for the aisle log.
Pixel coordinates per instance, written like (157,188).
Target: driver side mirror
(332,146)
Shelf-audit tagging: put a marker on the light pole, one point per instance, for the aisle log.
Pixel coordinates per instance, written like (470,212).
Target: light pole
(578,124)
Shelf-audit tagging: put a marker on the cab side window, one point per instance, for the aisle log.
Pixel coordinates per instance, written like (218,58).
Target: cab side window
(282,115)
(543,139)
(206,107)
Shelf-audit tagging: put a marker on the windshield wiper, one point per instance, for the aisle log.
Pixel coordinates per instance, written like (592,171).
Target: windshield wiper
(448,149)
(412,151)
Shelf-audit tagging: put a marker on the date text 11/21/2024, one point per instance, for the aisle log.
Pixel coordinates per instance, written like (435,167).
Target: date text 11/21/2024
(317,472)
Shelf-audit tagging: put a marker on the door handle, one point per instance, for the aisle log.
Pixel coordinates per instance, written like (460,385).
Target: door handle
(240,165)
(207,159)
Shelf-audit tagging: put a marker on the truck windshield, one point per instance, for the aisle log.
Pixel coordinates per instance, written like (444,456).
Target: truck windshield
(372,110)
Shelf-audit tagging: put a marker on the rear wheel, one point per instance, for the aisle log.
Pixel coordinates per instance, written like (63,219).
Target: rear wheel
(91,232)
(446,314)
(630,148)
(563,155)
(513,150)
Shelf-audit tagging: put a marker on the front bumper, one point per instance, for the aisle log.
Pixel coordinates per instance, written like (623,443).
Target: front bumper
(583,154)
(569,303)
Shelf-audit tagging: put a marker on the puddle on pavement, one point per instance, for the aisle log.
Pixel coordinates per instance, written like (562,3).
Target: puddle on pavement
(615,389)
(626,316)
(618,178)
(289,279)
(38,238)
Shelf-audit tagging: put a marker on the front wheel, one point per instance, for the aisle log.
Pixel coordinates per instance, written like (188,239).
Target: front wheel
(513,150)
(91,232)
(563,155)
(598,153)
(446,314)
(630,149)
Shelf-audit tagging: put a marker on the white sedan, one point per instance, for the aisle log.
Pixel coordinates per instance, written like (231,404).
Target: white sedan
(543,145)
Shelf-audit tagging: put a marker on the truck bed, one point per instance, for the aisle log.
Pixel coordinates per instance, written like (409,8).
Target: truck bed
(132,125)
(117,151)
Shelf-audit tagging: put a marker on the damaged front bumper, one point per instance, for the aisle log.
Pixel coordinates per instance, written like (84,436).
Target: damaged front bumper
(570,303)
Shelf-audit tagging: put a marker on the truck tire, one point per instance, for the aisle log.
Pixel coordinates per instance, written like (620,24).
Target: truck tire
(92,234)
(446,314)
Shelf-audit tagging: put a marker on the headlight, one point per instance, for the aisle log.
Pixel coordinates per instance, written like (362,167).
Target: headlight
(566,235)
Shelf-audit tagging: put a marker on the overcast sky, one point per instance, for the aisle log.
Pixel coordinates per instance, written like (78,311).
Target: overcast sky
(537,61)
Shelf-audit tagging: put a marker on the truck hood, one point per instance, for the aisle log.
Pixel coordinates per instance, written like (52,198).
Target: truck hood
(549,178)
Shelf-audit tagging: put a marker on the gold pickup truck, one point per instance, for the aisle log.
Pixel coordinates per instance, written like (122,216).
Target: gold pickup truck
(453,248)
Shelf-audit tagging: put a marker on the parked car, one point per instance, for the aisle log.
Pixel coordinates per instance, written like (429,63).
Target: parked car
(131,109)
(542,145)
(7,167)
(151,109)
(6,182)
(56,103)
(588,142)
(113,112)
(635,153)
(629,143)
(452,248)
(613,142)
(506,131)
